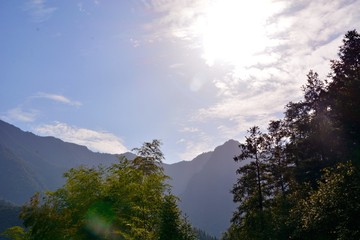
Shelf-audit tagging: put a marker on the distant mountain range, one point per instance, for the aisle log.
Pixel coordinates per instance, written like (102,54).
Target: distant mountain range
(30,163)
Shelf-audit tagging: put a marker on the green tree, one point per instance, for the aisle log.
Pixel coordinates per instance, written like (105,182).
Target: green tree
(16,233)
(172,225)
(332,211)
(252,188)
(123,201)
(170,221)
(187,231)
(149,157)
(284,191)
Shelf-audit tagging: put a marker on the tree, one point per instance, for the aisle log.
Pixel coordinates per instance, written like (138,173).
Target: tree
(343,96)
(16,233)
(172,225)
(187,231)
(279,163)
(149,157)
(170,217)
(332,211)
(252,188)
(124,201)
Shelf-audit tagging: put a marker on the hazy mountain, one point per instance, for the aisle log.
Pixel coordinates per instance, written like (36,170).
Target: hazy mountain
(207,199)
(18,180)
(182,172)
(30,163)
(53,149)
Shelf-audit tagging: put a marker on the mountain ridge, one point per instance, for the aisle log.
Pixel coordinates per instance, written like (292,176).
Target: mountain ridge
(30,163)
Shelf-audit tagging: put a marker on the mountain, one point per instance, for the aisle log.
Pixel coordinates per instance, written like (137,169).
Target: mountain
(207,199)
(30,163)
(19,180)
(181,172)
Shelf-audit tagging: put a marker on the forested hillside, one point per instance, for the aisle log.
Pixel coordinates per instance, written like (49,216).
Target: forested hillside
(127,200)
(303,181)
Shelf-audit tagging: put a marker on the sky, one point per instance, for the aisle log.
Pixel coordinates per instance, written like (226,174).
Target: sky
(111,75)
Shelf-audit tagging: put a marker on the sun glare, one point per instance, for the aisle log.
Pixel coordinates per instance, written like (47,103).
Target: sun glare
(235,31)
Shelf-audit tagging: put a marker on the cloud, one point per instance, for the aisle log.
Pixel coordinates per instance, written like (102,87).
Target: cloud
(135,43)
(97,141)
(176,65)
(200,143)
(267,62)
(18,114)
(38,11)
(189,129)
(299,36)
(181,19)
(81,9)
(58,98)
(180,141)
(27,114)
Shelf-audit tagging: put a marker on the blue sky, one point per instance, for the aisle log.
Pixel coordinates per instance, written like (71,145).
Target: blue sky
(113,74)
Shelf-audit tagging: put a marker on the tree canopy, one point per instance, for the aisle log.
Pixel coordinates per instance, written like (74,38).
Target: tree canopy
(128,200)
(285,193)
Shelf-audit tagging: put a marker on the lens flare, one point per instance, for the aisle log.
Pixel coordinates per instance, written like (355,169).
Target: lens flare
(99,219)
(197,82)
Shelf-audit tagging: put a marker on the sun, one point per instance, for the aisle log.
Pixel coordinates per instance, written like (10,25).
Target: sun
(235,31)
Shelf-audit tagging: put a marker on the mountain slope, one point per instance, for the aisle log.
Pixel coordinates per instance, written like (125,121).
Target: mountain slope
(207,199)
(19,180)
(29,163)
(55,150)
(182,172)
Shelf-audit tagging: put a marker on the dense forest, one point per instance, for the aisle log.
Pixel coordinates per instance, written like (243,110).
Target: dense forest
(303,181)
(304,178)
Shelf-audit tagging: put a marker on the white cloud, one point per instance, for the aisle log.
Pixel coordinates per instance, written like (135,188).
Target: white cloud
(135,43)
(176,65)
(18,114)
(58,98)
(97,141)
(27,114)
(81,9)
(189,129)
(200,143)
(180,141)
(297,36)
(257,89)
(38,11)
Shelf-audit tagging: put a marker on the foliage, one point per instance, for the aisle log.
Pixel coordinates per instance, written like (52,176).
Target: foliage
(203,235)
(284,193)
(170,219)
(16,233)
(332,211)
(187,231)
(127,200)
